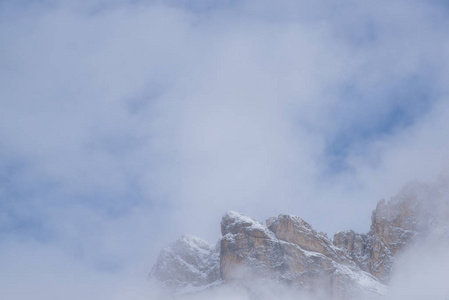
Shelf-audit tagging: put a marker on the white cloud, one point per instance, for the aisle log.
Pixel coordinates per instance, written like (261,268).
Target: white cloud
(129,124)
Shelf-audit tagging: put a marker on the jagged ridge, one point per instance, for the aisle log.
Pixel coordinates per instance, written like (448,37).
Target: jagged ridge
(287,250)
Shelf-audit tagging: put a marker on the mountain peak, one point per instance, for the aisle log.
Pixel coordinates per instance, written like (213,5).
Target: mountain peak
(188,262)
(289,251)
(234,223)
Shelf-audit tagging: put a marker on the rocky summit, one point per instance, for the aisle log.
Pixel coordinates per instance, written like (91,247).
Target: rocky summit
(188,262)
(419,211)
(288,251)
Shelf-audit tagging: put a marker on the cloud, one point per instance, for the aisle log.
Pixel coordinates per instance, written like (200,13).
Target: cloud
(421,273)
(45,272)
(128,123)
(252,290)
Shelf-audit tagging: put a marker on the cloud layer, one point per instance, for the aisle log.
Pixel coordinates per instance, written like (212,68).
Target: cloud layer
(127,123)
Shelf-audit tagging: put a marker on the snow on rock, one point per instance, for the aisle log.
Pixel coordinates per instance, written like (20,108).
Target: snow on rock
(186,264)
(235,223)
(418,211)
(354,283)
(295,230)
(286,251)
(289,252)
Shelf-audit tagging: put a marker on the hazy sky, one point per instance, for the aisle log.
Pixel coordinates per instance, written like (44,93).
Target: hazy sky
(124,124)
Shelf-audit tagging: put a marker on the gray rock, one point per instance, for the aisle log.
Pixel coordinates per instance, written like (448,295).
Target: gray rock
(289,252)
(188,262)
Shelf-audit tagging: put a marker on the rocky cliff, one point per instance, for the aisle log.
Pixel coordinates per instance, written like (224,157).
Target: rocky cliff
(287,250)
(416,212)
(187,264)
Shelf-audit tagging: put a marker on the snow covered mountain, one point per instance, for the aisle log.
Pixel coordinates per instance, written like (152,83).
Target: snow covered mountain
(419,211)
(188,264)
(289,251)
(286,250)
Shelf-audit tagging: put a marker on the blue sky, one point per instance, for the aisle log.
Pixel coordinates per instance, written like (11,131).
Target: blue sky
(125,124)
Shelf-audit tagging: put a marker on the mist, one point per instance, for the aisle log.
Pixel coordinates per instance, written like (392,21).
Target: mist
(125,124)
(422,272)
(419,270)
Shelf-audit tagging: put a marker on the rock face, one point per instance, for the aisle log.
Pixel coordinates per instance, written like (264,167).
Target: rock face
(394,225)
(288,251)
(188,262)
(295,230)
(247,248)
